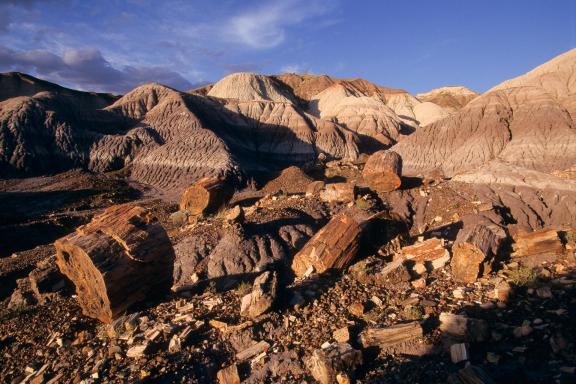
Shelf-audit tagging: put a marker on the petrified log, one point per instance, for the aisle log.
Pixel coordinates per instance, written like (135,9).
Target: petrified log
(383,170)
(117,259)
(206,196)
(475,248)
(326,364)
(463,328)
(432,253)
(333,246)
(338,192)
(390,336)
(533,248)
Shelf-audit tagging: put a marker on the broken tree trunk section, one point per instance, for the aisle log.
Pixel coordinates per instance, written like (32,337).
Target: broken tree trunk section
(334,246)
(338,193)
(390,336)
(475,248)
(206,196)
(325,364)
(383,170)
(533,248)
(432,253)
(119,258)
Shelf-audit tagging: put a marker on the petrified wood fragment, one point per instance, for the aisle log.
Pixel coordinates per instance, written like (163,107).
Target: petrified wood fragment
(117,259)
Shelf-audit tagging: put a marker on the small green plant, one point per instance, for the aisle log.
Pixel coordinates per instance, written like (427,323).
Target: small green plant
(373,315)
(523,276)
(412,312)
(243,288)
(363,204)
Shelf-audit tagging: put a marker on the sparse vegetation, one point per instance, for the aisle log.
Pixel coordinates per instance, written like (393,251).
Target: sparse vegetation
(412,312)
(363,203)
(523,276)
(243,288)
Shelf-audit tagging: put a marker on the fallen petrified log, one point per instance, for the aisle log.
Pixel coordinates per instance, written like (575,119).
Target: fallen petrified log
(335,245)
(117,259)
(382,171)
(390,336)
(533,248)
(432,253)
(206,196)
(475,248)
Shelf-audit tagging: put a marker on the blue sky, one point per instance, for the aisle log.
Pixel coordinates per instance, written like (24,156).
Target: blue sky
(113,45)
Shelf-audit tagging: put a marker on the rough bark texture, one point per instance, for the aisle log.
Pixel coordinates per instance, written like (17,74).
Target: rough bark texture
(533,248)
(206,196)
(475,247)
(334,246)
(390,336)
(117,259)
(382,171)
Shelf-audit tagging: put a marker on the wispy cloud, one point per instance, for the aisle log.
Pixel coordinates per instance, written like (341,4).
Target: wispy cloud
(266,26)
(295,68)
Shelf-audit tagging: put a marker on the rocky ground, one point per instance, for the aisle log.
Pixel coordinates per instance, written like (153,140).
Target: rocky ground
(514,324)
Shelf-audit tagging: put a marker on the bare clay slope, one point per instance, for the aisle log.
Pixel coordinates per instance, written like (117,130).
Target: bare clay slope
(525,126)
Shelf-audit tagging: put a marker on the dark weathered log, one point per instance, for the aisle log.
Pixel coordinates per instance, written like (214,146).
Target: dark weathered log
(390,336)
(533,248)
(383,170)
(338,192)
(475,248)
(206,196)
(117,259)
(334,246)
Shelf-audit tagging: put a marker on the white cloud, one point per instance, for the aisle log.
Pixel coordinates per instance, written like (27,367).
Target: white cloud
(266,26)
(295,68)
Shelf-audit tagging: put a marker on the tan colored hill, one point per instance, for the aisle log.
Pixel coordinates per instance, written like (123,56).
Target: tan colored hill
(526,126)
(245,86)
(451,98)
(368,116)
(557,77)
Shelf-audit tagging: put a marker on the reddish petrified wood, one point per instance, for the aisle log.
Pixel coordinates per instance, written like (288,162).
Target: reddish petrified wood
(206,196)
(117,259)
(383,170)
(333,246)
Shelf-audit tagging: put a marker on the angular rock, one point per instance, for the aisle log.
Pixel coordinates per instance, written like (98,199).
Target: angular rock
(475,248)
(228,375)
(463,328)
(262,297)
(338,192)
(121,257)
(432,253)
(326,364)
